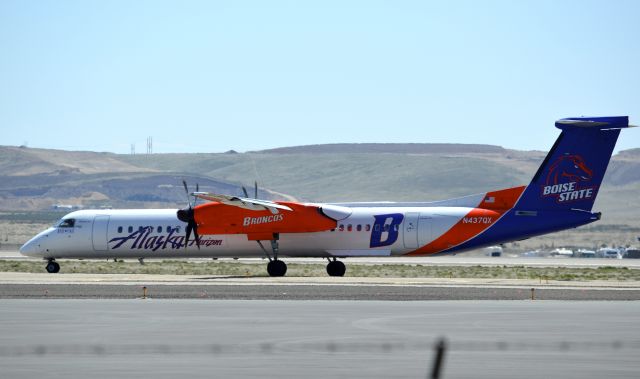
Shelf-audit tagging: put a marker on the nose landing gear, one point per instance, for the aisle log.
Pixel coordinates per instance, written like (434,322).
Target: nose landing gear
(52,266)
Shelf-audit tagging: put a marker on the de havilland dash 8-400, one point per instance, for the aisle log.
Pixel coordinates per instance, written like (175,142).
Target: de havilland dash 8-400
(560,196)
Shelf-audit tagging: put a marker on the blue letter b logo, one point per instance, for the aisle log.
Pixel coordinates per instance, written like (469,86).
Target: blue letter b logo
(387,227)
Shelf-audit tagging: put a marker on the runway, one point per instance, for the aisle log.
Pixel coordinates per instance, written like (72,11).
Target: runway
(317,339)
(131,286)
(163,326)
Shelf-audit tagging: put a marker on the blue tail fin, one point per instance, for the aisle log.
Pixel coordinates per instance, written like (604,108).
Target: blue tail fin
(571,174)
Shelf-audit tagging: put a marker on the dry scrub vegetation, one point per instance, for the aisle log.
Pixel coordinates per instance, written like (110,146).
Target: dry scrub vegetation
(242,269)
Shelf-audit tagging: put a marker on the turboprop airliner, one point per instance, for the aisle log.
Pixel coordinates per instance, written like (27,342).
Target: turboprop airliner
(560,196)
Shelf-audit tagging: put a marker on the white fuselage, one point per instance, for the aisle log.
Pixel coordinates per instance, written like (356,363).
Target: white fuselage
(140,233)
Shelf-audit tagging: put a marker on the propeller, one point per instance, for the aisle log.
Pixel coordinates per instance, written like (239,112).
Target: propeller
(188,215)
(255,190)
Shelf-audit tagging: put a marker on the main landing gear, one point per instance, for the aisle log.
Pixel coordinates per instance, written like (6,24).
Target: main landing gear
(335,268)
(53,266)
(275,267)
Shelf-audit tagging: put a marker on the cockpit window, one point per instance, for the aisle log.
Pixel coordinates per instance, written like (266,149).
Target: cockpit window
(67,223)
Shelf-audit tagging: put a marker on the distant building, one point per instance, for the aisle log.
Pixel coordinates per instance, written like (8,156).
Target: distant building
(65,207)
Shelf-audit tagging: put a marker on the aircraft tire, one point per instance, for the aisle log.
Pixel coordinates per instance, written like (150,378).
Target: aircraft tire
(276,268)
(336,268)
(53,267)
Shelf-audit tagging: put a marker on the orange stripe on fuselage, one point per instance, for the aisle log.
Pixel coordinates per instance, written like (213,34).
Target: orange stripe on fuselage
(491,208)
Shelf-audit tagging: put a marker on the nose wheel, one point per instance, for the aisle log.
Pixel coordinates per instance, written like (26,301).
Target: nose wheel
(53,267)
(336,268)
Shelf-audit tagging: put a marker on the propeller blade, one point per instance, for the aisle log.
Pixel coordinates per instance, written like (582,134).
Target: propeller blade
(245,192)
(188,216)
(186,239)
(255,184)
(195,234)
(195,200)
(186,189)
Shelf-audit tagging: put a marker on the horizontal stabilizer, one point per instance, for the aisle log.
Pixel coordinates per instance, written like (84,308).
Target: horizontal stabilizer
(597,123)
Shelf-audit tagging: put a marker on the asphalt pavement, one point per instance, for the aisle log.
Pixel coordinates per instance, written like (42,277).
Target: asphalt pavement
(155,338)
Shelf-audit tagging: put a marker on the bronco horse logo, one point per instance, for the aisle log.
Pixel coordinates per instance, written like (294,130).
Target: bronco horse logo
(568,168)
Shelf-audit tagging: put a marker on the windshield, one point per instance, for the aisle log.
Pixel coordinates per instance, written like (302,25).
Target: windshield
(66,223)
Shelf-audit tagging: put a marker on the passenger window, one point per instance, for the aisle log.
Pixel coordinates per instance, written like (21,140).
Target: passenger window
(119,229)
(67,223)
(177,229)
(140,229)
(359,228)
(341,228)
(130,229)
(386,228)
(367,227)
(349,228)
(159,229)
(376,228)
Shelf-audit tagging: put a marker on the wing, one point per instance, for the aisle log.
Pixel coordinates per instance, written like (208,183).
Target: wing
(243,202)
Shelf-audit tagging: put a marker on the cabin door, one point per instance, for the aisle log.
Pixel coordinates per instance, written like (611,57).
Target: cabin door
(100,228)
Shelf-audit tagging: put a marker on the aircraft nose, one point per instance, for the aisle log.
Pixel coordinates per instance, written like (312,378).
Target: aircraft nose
(30,248)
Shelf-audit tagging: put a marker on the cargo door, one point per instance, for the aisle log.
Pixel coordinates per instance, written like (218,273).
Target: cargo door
(100,229)
(434,226)
(425,224)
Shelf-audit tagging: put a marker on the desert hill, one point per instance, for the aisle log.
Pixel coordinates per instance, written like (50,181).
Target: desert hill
(36,179)
(381,148)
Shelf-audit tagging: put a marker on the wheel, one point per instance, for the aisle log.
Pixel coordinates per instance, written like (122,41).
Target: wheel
(53,267)
(336,268)
(276,268)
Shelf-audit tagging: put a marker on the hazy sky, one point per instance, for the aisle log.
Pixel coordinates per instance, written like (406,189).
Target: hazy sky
(209,76)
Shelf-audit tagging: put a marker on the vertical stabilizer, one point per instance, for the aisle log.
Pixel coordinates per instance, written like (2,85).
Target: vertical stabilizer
(571,174)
